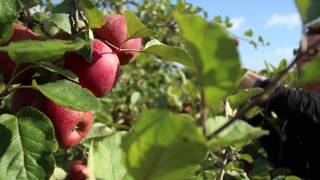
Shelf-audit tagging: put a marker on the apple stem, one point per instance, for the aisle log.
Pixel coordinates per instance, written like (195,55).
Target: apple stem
(110,44)
(122,50)
(132,50)
(75,128)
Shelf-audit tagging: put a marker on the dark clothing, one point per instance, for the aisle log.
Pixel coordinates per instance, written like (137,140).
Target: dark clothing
(299,151)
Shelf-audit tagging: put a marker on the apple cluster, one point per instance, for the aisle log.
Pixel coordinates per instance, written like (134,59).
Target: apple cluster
(99,76)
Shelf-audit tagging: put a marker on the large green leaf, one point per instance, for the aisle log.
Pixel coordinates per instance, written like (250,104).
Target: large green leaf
(237,133)
(309,10)
(32,50)
(6,32)
(27,144)
(9,10)
(169,53)
(135,27)
(107,155)
(215,56)
(163,145)
(62,21)
(95,17)
(69,94)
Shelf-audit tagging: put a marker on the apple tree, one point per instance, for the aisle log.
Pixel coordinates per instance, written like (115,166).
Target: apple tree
(140,89)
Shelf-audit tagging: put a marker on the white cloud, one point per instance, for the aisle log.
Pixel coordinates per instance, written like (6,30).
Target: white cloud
(237,22)
(284,53)
(288,20)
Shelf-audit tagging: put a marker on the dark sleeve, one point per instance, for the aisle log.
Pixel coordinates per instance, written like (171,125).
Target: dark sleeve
(296,105)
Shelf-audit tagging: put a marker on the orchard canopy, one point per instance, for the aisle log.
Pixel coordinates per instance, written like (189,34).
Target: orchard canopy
(133,89)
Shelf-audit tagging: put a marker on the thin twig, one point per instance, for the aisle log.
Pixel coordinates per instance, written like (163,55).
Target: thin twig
(204,115)
(223,172)
(19,73)
(13,75)
(76,15)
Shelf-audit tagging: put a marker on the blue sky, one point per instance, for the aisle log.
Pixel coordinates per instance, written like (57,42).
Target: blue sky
(277,21)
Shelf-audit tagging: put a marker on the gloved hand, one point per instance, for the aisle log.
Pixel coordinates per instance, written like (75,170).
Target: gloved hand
(251,79)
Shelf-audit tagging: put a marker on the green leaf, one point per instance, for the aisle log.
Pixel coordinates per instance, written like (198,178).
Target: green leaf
(169,53)
(217,19)
(309,9)
(215,55)
(292,178)
(246,157)
(248,33)
(40,16)
(58,174)
(27,145)
(135,28)
(9,10)
(86,51)
(91,167)
(62,21)
(2,85)
(56,69)
(32,50)
(108,158)
(227,22)
(253,43)
(310,72)
(260,39)
(98,131)
(241,97)
(94,16)
(135,96)
(163,145)
(174,93)
(6,32)
(237,133)
(282,66)
(261,169)
(68,94)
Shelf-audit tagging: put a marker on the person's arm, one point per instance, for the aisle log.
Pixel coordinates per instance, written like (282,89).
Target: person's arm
(288,103)
(296,105)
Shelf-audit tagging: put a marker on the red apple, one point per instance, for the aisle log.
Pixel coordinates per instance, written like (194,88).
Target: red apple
(25,97)
(78,171)
(20,33)
(115,32)
(70,126)
(101,74)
